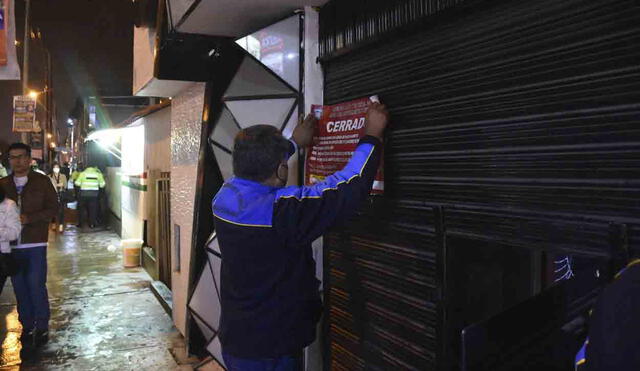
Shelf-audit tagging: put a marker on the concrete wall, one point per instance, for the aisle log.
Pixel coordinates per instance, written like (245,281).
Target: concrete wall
(157,153)
(143,45)
(133,183)
(186,123)
(114,184)
(313,94)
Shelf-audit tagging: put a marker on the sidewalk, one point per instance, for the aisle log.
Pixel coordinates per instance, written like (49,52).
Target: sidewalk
(103,317)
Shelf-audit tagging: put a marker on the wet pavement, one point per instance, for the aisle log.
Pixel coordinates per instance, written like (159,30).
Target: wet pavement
(103,316)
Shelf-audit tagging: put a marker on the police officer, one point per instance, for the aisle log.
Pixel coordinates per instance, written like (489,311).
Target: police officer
(90,182)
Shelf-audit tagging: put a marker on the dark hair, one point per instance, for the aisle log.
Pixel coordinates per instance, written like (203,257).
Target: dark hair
(19,145)
(2,195)
(258,151)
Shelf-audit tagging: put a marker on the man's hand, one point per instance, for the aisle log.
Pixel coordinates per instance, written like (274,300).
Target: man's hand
(303,133)
(24,219)
(377,120)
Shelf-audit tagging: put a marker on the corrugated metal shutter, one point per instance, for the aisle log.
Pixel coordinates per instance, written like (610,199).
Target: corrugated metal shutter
(519,120)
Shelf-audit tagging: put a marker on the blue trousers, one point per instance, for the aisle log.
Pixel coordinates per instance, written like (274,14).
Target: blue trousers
(285,363)
(30,286)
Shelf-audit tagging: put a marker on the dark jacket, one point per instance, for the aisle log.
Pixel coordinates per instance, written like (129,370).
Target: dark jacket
(39,203)
(614,327)
(269,292)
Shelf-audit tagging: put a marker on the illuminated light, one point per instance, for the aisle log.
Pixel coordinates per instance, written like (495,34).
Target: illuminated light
(33,94)
(49,136)
(70,121)
(17,43)
(11,344)
(53,144)
(107,137)
(291,56)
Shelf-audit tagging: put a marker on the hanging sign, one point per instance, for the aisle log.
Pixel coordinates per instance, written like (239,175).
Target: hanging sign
(340,128)
(9,69)
(24,113)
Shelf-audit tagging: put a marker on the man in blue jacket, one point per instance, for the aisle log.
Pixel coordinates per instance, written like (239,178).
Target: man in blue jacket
(269,292)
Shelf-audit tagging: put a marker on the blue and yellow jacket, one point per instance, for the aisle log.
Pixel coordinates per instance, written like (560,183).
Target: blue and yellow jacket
(269,292)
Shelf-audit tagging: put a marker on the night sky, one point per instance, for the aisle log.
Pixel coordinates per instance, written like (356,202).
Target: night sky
(91,45)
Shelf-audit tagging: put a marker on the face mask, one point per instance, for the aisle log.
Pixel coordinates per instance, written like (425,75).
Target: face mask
(56,170)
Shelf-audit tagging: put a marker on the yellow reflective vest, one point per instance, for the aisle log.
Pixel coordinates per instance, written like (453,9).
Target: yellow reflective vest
(90,179)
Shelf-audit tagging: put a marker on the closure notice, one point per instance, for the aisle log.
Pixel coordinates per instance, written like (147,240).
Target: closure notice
(340,128)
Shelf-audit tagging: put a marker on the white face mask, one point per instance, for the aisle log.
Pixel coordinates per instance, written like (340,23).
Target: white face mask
(56,170)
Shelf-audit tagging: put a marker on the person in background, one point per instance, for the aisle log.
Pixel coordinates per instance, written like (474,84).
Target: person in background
(60,182)
(10,228)
(76,172)
(90,181)
(38,203)
(3,171)
(614,326)
(66,170)
(35,167)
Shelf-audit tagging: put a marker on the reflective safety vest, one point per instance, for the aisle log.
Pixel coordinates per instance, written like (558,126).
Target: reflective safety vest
(581,356)
(74,175)
(90,180)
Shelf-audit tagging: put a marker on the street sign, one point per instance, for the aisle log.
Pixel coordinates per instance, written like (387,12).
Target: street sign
(24,113)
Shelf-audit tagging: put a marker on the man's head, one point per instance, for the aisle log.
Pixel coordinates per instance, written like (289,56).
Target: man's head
(260,154)
(20,158)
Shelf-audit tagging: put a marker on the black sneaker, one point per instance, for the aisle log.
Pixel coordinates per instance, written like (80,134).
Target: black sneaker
(27,339)
(41,337)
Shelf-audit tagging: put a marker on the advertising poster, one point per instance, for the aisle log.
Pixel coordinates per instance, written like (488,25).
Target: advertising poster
(340,128)
(9,69)
(24,113)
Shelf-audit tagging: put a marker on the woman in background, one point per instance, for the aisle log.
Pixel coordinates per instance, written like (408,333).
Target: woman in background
(10,229)
(59,181)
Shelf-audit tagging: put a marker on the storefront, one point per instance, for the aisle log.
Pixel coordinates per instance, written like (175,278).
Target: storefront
(512,146)
(514,128)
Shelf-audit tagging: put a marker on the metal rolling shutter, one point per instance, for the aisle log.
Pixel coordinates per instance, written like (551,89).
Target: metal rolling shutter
(513,121)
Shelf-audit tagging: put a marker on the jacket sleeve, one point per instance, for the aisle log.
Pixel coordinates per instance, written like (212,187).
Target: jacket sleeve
(304,213)
(50,205)
(79,179)
(11,228)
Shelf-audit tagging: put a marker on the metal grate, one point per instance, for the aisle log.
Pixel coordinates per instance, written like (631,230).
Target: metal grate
(163,227)
(346,25)
(520,119)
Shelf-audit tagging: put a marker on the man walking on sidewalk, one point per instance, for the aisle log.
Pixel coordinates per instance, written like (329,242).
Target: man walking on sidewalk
(269,292)
(38,202)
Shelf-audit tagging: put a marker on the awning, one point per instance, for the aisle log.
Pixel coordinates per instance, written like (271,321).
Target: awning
(231,18)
